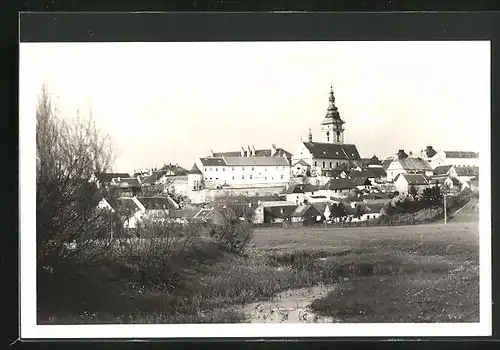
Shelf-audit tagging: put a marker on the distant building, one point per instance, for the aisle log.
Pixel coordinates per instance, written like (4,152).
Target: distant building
(404,164)
(331,152)
(404,182)
(128,186)
(457,158)
(244,171)
(337,188)
(104,179)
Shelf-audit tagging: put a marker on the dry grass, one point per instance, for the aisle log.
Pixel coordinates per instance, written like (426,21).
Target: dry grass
(378,274)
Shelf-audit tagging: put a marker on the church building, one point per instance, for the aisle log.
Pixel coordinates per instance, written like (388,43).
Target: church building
(330,152)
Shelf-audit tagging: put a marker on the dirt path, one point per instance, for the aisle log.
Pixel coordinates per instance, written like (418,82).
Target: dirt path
(288,307)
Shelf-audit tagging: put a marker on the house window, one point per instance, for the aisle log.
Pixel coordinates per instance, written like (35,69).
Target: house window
(232,168)
(337,164)
(210,169)
(252,168)
(315,163)
(243,169)
(205,169)
(216,168)
(330,165)
(243,177)
(223,169)
(323,164)
(281,176)
(233,177)
(251,177)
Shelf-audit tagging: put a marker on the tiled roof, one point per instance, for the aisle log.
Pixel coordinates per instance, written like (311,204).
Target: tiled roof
(107,177)
(258,153)
(467,171)
(127,182)
(386,163)
(257,161)
(339,184)
(413,179)
(369,172)
(371,161)
(320,207)
(213,161)
(124,206)
(414,164)
(282,212)
(195,170)
(442,169)
(301,210)
(361,181)
(156,203)
(332,151)
(460,154)
(183,213)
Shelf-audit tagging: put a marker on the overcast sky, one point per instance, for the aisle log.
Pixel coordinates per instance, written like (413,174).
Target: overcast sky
(173,102)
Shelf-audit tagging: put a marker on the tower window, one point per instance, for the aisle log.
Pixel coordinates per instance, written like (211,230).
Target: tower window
(327,136)
(338,136)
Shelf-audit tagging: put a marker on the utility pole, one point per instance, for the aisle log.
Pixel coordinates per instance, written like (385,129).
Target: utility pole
(444,196)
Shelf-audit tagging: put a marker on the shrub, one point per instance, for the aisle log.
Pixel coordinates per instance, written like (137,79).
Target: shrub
(231,230)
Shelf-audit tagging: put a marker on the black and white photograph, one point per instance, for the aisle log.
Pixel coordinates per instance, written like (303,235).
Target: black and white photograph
(280,188)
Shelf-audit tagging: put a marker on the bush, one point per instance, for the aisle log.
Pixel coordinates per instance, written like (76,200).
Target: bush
(232,231)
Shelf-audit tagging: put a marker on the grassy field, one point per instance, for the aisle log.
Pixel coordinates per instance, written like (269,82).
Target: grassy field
(377,274)
(422,273)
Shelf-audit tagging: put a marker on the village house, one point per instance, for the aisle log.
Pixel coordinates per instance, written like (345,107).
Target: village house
(337,188)
(362,183)
(374,174)
(268,210)
(129,209)
(103,180)
(331,152)
(404,182)
(451,183)
(404,164)
(301,169)
(373,211)
(300,193)
(126,187)
(306,215)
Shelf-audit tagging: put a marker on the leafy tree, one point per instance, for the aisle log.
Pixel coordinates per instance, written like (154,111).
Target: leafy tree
(413,191)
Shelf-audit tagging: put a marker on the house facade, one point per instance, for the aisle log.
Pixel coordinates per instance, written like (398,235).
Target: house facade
(244,171)
(404,182)
(404,164)
(456,158)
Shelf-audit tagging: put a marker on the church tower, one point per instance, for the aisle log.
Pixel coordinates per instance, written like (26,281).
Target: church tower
(332,126)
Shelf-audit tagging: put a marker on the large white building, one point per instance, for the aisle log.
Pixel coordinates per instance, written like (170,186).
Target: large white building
(330,152)
(456,158)
(252,168)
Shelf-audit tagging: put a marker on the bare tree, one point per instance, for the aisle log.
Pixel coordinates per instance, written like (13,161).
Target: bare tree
(69,153)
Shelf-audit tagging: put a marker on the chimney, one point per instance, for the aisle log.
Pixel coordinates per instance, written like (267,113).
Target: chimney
(273,150)
(242,151)
(253,151)
(401,154)
(249,152)
(212,154)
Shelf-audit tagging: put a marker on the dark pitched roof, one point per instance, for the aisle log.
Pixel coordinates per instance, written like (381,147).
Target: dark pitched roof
(339,184)
(386,163)
(183,213)
(257,161)
(173,170)
(414,164)
(124,206)
(333,151)
(195,170)
(442,169)
(158,203)
(467,171)
(460,154)
(413,179)
(282,212)
(258,153)
(107,177)
(126,182)
(361,181)
(371,161)
(303,210)
(320,206)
